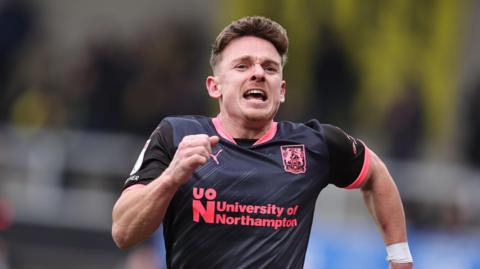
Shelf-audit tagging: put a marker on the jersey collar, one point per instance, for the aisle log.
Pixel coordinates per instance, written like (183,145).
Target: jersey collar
(223,133)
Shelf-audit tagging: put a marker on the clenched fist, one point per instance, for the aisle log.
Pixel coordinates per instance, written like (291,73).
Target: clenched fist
(193,151)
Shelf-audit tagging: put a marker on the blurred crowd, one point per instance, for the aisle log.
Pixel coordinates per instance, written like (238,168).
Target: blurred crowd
(109,85)
(113,85)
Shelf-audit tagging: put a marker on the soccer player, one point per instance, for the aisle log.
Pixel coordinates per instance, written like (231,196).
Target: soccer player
(239,190)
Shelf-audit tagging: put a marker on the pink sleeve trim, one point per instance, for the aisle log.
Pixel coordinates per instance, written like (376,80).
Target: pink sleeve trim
(135,186)
(363,173)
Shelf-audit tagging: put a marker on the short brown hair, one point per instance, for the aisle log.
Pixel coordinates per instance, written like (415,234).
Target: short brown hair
(258,26)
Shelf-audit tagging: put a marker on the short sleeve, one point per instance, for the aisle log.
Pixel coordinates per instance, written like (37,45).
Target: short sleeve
(349,158)
(155,156)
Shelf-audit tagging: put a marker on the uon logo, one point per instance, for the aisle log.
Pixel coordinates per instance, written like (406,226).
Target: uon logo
(236,213)
(294,160)
(207,212)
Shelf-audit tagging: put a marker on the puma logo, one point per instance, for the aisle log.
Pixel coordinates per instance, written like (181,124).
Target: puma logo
(215,156)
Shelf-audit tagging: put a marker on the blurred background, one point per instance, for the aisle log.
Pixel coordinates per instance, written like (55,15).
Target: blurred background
(83,84)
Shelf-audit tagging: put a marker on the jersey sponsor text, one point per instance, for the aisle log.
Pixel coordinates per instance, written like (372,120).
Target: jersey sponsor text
(224,213)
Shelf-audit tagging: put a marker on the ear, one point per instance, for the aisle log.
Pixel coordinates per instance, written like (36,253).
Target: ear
(213,88)
(283,88)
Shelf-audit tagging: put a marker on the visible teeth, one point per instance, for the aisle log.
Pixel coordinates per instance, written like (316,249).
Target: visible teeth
(255,92)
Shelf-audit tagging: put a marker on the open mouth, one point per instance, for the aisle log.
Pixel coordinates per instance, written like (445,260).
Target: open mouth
(256,94)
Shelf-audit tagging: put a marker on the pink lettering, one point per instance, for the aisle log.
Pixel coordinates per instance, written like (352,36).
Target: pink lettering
(198,193)
(210,194)
(207,214)
(259,222)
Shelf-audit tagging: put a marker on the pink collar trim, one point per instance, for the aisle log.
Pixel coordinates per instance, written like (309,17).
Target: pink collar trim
(266,137)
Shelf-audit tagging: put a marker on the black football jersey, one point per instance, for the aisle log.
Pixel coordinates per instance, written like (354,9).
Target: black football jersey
(251,205)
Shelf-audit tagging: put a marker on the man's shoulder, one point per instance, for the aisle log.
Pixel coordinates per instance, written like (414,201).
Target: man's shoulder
(312,124)
(186,119)
(188,124)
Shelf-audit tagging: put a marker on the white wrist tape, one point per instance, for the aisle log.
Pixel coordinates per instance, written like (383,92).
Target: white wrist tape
(399,253)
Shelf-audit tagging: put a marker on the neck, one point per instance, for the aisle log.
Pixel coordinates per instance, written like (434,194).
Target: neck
(245,129)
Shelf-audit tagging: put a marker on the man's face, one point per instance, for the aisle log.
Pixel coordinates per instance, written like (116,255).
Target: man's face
(248,80)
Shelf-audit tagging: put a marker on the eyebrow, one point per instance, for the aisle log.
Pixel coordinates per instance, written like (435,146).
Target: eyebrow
(250,58)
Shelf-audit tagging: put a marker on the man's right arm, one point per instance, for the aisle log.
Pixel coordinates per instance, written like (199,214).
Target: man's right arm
(140,209)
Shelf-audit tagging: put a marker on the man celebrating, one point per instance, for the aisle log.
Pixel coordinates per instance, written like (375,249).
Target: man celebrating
(239,190)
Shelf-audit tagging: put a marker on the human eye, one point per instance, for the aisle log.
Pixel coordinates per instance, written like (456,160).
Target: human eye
(241,66)
(270,68)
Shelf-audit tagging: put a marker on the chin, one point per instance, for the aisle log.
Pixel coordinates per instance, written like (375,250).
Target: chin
(262,116)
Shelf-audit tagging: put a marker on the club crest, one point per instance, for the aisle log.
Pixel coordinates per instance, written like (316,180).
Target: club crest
(294,160)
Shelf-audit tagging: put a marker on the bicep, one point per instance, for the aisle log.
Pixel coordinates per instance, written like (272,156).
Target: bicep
(378,176)
(376,169)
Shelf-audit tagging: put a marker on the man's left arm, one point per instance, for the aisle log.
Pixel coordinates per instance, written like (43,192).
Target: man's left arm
(353,165)
(383,200)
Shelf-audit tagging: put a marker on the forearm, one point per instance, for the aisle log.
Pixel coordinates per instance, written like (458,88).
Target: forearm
(384,203)
(140,211)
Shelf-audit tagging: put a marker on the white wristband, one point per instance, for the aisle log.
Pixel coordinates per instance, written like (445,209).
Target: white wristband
(399,253)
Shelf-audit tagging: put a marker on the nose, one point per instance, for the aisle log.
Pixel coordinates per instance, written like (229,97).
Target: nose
(258,73)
